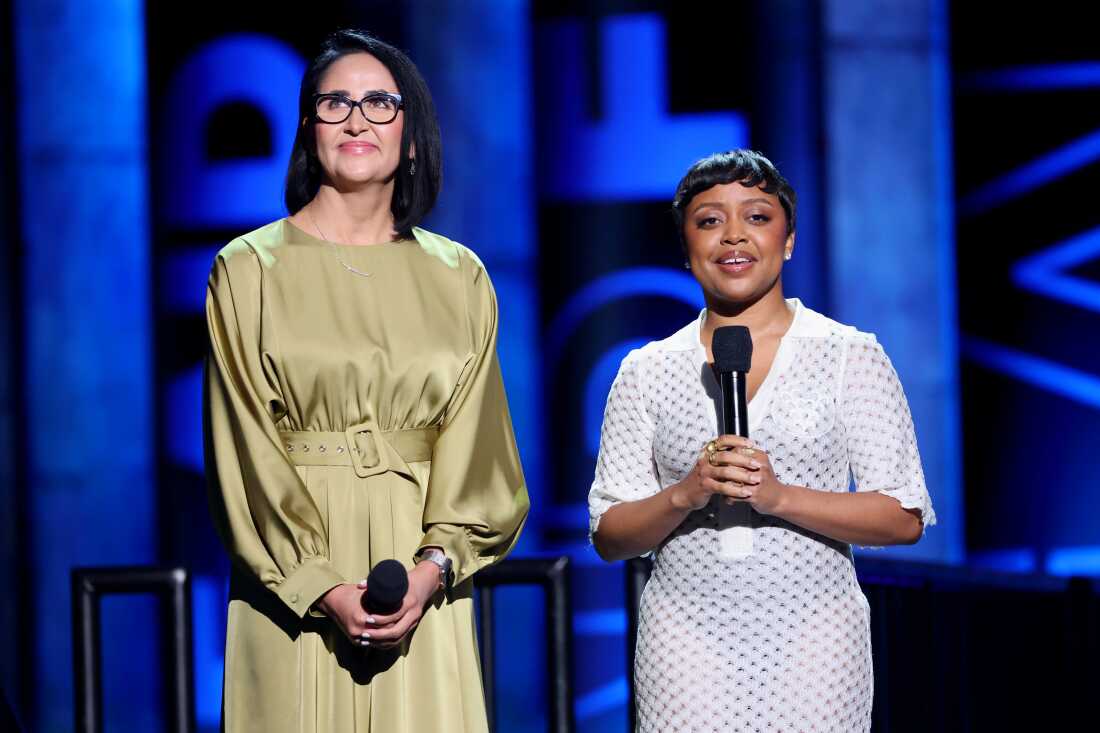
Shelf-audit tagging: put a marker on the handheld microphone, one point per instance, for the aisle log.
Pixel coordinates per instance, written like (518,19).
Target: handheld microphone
(732,349)
(387,585)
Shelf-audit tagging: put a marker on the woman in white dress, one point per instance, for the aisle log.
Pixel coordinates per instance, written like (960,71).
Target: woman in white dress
(753,619)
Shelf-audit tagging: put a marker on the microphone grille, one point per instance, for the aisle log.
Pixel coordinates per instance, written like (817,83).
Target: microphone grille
(387,583)
(732,348)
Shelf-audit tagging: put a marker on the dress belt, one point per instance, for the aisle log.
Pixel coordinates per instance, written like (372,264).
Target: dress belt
(363,447)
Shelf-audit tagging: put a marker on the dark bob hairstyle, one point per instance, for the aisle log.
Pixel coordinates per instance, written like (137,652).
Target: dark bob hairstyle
(413,195)
(747,167)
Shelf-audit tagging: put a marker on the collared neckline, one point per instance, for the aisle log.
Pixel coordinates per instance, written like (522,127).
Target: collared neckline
(689,338)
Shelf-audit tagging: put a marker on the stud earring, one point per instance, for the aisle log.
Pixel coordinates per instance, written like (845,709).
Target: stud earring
(787,255)
(687,265)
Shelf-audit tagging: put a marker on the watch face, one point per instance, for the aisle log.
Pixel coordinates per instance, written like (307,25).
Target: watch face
(445,569)
(440,559)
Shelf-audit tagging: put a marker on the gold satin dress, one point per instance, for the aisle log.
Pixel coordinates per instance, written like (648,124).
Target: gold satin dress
(348,420)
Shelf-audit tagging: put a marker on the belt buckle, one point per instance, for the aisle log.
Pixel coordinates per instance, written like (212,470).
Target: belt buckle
(362,468)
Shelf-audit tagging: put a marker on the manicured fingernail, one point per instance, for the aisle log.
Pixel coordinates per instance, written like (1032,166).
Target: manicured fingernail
(755,479)
(754,463)
(370,619)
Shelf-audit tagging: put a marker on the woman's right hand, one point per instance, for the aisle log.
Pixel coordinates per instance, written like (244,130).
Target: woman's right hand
(725,470)
(344,605)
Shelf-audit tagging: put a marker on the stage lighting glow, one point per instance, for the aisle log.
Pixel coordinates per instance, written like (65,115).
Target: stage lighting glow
(1047,272)
(636,150)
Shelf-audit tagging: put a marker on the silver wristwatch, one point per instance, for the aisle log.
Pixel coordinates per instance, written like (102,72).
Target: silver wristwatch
(437,556)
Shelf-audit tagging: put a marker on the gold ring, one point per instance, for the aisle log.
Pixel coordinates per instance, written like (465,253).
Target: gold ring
(711,448)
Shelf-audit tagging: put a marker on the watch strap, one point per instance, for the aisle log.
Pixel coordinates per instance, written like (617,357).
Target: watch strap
(437,557)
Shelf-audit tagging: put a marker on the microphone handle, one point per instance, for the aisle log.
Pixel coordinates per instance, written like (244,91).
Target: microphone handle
(734,416)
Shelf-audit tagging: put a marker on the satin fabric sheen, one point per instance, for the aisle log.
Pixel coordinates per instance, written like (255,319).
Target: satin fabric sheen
(299,343)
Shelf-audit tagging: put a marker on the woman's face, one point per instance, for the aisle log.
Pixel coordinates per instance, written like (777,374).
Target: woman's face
(736,241)
(355,151)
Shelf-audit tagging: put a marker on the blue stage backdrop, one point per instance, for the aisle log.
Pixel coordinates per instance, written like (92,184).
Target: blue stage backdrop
(1027,131)
(13,526)
(89,496)
(566,127)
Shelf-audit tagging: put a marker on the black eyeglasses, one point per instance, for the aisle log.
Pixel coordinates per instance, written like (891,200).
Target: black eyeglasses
(381,108)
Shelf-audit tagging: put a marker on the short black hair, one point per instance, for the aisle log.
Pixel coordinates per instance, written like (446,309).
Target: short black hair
(747,167)
(413,195)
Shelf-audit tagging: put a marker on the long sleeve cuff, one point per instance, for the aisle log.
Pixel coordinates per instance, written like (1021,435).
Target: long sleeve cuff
(456,545)
(307,583)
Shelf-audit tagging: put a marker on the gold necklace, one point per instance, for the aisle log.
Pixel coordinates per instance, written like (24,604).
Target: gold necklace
(335,251)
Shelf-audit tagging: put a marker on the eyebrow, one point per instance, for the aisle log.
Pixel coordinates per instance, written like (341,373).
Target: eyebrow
(346,93)
(705,204)
(722,205)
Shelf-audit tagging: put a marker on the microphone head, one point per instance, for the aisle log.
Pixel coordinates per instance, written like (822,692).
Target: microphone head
(387,585)
(732,348)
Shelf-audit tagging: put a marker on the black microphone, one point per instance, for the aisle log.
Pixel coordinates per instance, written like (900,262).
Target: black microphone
(387,585)
(732,349)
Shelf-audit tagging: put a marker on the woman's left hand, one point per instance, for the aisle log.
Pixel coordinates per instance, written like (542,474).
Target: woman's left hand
(766,496)
(387,632)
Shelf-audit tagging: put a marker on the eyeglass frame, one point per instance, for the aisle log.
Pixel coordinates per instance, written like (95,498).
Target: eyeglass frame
(352,104)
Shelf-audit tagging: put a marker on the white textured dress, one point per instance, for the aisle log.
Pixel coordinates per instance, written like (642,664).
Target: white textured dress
(748,622)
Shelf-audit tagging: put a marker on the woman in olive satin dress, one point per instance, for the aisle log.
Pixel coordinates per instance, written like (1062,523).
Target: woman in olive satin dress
(355,412)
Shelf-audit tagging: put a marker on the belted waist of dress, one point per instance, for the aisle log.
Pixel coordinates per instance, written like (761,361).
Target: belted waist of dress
(364,447)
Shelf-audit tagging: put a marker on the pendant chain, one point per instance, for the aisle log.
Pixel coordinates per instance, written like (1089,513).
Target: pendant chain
(335,250)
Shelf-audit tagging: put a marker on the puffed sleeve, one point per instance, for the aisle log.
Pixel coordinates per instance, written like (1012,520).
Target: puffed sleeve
(476,501)
(882,444)
(263,512)
(625,467)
